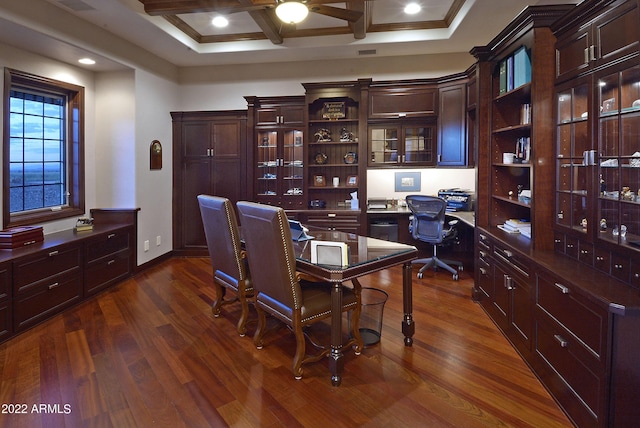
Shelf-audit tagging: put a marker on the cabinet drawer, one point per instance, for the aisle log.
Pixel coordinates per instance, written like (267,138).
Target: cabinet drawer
(577,385)
(484,242)
(5,281)
(6,324)
(602,260)
(103,272)
(635,273)
(583,319)
(620,267)
(105,245)
(46,299)
(40,267)
(519,264)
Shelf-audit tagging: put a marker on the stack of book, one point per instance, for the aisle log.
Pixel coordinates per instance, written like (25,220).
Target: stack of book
(517,226)
(20,236)
(83,224)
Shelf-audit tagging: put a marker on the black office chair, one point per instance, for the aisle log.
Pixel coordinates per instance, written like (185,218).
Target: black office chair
(427,225)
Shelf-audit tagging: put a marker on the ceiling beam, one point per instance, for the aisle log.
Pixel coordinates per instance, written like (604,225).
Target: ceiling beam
(266,20)
(176,7)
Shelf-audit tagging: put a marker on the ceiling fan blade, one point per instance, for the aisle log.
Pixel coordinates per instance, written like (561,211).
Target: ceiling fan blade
(335,12)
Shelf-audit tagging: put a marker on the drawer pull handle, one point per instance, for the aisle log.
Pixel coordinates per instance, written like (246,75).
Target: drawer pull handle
(483,254)
(569,245)
(54,285)
(508,253)
(508,283)
(483,271)
(111,235)
(110,262)
(563,343)
(617,266)
(562,288)
(636,275)
(53,253)
(482,236)
(331,215)
(584,252)
(599,258)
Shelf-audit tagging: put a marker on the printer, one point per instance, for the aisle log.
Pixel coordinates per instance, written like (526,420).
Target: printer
(457,199)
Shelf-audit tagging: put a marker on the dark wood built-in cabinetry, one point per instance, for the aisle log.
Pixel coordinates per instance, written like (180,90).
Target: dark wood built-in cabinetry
(209,157)
(40,280)
(566,297)
(276,135)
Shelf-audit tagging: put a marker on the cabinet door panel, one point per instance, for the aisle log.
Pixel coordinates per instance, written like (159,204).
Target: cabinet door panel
(451,126)
(49,298)
(195,139)
(226,140)
(618,32)
(572,54)
(408,103)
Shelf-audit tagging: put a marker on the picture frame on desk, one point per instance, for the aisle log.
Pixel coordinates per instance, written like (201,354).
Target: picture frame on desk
(319,180)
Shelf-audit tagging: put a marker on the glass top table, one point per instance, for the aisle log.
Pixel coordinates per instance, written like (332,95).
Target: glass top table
(366,255)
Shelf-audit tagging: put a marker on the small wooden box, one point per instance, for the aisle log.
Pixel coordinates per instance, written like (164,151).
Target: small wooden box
(20,236)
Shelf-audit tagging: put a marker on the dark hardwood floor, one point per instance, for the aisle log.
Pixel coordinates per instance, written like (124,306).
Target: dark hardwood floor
(148,353)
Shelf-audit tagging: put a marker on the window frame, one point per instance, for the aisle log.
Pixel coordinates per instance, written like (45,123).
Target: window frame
(74,148)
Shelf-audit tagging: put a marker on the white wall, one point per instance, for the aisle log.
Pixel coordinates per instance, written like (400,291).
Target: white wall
(155,97)
(381,182)
(223,87)
(115,158)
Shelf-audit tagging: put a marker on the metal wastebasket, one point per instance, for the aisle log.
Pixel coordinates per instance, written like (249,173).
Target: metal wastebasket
(373,301)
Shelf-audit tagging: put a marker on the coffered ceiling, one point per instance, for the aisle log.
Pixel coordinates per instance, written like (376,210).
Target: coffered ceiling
(181,31)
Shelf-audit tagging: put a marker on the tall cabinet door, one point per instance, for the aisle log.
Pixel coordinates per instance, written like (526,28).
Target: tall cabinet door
(209,159)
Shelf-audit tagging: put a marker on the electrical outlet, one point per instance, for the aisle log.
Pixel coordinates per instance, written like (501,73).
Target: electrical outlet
(158,240)
(146,245)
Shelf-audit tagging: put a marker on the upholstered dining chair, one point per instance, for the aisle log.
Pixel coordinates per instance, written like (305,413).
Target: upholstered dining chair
(279,290)
(228,259)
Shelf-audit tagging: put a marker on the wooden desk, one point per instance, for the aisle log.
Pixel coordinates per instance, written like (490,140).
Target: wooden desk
(366,255)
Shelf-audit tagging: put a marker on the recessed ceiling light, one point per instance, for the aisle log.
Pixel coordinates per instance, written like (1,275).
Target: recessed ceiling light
(220,21)
(412,8)
(86,61)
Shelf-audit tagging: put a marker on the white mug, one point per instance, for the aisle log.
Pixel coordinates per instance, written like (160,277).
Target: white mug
(336,181)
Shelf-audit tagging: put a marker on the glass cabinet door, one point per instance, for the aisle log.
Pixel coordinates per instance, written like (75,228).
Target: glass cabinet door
(619,163)
(402,144)
(574,156)
(418,145)
(384,145)
(279,164)
(292,163)
(267,163)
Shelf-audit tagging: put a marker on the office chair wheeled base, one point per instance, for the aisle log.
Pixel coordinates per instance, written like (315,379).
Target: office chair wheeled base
(435,263)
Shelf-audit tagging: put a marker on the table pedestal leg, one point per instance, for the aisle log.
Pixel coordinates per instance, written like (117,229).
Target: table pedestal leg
(336,361)
(408,326)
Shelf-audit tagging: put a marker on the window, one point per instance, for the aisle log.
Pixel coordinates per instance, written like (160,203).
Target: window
(43,149)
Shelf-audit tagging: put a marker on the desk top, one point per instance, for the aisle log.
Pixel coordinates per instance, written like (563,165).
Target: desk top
(467,217)
(366,255)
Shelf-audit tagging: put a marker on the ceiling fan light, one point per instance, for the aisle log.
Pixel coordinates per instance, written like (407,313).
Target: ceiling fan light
(292,12)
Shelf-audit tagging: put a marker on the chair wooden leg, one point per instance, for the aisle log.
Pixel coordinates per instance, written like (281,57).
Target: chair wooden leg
(298,359)
(220,293)
(244,316)
(260,330)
